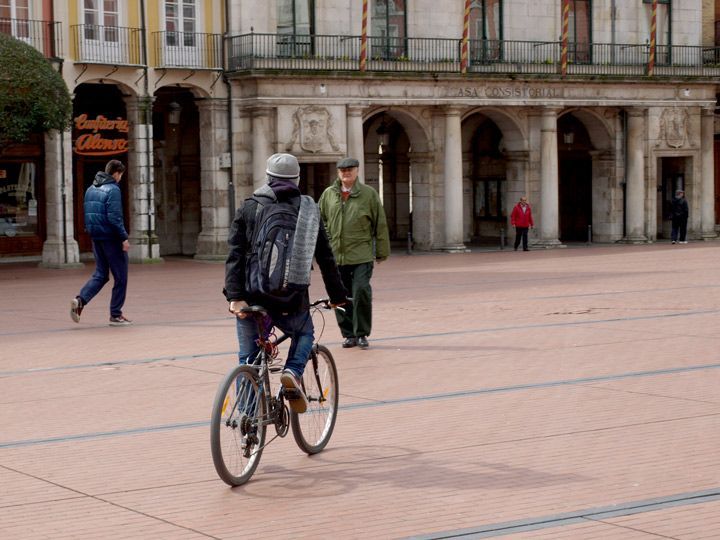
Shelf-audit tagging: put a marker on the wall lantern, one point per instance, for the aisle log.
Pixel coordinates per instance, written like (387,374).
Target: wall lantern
(569,137)
(174,110)
(383,135)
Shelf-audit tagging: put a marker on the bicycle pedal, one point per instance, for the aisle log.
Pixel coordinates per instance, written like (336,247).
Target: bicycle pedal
(291,394)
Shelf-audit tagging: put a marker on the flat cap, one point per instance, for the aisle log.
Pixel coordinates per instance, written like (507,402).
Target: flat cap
(348,163)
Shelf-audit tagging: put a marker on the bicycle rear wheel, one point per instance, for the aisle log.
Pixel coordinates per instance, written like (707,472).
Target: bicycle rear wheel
(237,430)
(312,429)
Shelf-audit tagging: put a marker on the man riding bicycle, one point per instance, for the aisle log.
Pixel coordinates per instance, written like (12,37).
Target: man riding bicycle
(290,313)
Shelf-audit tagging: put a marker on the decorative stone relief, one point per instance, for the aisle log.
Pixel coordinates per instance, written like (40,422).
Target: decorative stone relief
(674,126)
(313,128)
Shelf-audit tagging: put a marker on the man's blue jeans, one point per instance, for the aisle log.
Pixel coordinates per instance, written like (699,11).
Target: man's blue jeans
(109,258)
(298,326)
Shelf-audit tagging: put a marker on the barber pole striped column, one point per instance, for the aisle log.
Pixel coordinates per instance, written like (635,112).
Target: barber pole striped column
(653,39)
(465,37)
(565,26)
(363,37)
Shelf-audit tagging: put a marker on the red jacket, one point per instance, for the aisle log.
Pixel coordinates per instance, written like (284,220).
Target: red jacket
(518,218)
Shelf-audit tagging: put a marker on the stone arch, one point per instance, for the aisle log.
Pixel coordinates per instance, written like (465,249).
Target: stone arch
(125,89)
(596,125)
(198,92)
(401,170)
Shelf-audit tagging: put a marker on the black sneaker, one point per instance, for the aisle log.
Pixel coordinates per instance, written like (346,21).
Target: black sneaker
(349,342)
(292,390)
(120,320)
(76,307)
(363,342)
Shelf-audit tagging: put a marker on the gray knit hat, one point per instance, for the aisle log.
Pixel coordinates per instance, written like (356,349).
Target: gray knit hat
(283,166)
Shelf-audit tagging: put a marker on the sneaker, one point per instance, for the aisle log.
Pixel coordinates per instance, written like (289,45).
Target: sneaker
(293,392)
(363,342)
(349,342)
(674,242)
(683,242)
(120,320)
(76,307)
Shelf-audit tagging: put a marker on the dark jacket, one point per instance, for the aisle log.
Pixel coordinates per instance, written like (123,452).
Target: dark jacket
(241,232)
(680,208)
(103,209)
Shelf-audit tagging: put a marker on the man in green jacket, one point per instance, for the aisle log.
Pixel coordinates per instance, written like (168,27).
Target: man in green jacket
(355,222)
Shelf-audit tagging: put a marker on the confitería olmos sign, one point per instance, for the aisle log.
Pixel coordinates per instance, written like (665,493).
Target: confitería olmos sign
(100,136)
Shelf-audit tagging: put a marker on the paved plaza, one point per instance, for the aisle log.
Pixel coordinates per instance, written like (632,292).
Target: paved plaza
(563,394)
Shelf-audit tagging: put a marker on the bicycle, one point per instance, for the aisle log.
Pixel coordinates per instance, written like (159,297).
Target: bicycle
(246,404)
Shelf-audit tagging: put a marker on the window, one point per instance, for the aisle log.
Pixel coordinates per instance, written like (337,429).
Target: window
(180,23)
(18,199)
(388,29)
(14,15)
(580,31)
(485,30)
(101,20)
(296,24)
(663,22)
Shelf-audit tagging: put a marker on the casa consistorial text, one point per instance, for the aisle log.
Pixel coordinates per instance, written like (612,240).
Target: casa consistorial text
(507,92)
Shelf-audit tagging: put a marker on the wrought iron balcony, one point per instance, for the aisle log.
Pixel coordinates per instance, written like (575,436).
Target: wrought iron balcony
(250,52)
(188,50)
(45,36)
(115,45)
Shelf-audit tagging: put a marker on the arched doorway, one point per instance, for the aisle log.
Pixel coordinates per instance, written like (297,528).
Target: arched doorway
(387,168)
(176,157)
(575,178)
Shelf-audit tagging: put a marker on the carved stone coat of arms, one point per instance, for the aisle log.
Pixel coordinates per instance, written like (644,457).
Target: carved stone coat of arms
(313,128)
(674,127)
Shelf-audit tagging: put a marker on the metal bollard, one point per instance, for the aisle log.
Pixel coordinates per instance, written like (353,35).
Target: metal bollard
(409,243)
(502,238)
(589,237)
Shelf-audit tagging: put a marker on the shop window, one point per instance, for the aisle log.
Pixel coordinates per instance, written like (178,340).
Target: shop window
(388,29)
(18,199)
(485,30)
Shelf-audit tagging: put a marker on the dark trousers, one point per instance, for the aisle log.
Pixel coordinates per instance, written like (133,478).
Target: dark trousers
(679,229)
(521,232)
(109,258)
(357,319)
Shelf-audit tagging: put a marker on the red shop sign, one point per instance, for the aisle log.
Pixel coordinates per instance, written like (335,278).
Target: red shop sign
(102,136)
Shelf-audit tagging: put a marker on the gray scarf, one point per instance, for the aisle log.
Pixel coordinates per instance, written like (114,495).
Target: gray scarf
(308,226)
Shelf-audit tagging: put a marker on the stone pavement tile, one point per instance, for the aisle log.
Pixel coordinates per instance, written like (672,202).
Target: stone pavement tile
(588,530)
(22,488)
(692,522)
(84,518)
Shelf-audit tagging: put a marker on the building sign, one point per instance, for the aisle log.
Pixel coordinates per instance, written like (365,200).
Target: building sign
(506,92)
(100,136)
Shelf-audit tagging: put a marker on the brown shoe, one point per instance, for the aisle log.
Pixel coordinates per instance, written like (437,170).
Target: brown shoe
(120,320)
(292,389)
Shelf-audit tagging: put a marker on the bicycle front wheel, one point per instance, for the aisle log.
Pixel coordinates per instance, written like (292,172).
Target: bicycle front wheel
(237,429)
(312,429)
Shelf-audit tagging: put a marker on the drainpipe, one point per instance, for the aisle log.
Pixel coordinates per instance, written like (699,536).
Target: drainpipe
(231,184)
(147,111)
(613,13)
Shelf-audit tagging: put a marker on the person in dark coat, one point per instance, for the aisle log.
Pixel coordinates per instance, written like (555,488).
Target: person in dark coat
(521,218)
(292,317)
(104,222)
(680,213)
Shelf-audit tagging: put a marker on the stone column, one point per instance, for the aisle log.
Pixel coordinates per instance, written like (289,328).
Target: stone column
(214,182)
(453,182)
(262,136)
(60,249)
(144,245)
(355,139)
(707,201)
(635,175)
(549,189)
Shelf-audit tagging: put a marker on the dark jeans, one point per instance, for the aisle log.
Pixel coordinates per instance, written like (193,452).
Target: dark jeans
(521,232)
(109,258)
(679,229)
(357,319)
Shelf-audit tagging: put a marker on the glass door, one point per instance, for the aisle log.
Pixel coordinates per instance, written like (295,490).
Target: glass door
(101,39)
(181,39)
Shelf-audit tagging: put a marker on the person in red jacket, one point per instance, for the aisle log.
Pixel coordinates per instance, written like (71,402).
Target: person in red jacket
(521,219)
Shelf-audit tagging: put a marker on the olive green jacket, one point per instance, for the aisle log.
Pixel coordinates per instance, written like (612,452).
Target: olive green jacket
(352,225)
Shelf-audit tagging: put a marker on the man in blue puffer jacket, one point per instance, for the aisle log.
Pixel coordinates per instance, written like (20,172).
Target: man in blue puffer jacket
(104,223)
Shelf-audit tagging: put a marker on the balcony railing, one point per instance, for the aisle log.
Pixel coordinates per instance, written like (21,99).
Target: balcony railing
(188,50)
(45,36)
(114,45)
(332,53)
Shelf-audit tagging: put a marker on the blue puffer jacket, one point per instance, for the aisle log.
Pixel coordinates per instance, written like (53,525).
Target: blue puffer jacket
(103,209)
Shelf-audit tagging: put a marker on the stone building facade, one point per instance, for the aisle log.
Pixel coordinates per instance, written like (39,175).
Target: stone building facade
(453,114)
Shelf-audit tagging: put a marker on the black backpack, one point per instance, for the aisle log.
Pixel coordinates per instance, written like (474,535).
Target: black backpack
(267,262)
